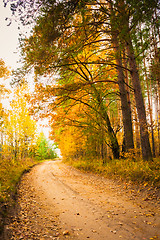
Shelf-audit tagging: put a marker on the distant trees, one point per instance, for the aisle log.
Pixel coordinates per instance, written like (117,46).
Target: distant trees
(19,136)
(43,149)
(105,54)
(4,74)
(19,129)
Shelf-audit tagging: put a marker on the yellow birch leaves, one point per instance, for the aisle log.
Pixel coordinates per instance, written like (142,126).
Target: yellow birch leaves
(19,127)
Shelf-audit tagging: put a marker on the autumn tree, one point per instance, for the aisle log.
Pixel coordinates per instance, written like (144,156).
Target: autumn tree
(4,74)
(111,23)
(43,149)
(20,128)
(85,87)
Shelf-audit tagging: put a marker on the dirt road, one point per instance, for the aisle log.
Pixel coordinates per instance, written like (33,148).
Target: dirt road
(58,202)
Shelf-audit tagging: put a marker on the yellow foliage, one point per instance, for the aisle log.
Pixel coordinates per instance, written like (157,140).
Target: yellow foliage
(19,127)
(4,72)
(71,142)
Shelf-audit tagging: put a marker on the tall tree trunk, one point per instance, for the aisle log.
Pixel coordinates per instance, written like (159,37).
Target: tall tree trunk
(158,114)
(156,73)
(127,79)
(113,139)
(146,149)
(149,108)
(122,27)
(126,110)
(137,134)
(112,136)
(146,79)
(151,119)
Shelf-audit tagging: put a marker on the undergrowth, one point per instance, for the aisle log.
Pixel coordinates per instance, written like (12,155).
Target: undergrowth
(10,173)
(136,171)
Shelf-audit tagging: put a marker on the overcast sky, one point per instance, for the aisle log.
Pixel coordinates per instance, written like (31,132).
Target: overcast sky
(8,38)
(8,47)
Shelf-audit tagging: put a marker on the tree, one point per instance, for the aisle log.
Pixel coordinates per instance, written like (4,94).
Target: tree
(126,110)
(85,87)
(43,149)
(125,35)
(20,128)
(4,73)
(116,19)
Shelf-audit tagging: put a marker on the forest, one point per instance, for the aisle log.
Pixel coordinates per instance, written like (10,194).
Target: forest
(21,144)
(96,71)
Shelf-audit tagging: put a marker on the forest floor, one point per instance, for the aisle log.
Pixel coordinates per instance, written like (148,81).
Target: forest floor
(56,201)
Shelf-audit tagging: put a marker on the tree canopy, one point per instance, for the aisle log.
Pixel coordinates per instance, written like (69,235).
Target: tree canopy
(90,54)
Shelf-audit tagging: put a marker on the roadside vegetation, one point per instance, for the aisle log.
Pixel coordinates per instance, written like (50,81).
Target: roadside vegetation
(10,174)
(129,169)
(11,171)
(21,146)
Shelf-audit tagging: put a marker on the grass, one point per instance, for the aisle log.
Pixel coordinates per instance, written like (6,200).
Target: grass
(10,173)
(136,171)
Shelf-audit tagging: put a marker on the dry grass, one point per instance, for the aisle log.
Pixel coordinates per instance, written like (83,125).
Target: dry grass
(10,173)
(136,171)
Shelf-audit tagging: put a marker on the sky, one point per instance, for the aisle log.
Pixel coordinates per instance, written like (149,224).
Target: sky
(9,53)
(8,38)
(9,47)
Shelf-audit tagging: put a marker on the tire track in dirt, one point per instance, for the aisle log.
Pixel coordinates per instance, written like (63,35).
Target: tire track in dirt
(58,202)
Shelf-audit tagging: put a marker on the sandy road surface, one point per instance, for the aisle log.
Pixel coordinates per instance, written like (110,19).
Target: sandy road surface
(58,202)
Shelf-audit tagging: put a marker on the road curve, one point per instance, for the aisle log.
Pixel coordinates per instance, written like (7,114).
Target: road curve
(58,202)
